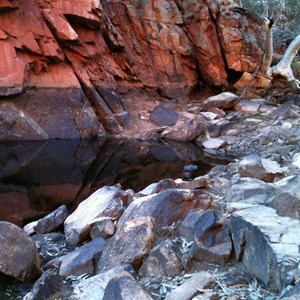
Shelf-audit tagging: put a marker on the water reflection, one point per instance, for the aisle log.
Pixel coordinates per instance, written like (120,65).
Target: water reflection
(37,177)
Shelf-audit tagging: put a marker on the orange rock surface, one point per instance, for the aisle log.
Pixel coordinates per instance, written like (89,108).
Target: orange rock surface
(110,50)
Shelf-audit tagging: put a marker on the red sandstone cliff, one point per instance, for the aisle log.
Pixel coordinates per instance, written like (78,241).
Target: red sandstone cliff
(67,66)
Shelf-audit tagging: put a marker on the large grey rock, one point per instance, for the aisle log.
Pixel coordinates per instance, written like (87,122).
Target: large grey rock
(266,244)
(255,167)
(164,184)
(216,128)
(287,201)
(212,241)
(163,260)
(192,286)
(249,190)
(52,220)
(214,143)
(224,100)
(166,207)
(289,184)
(82,260)
(185,130)
(196,183)
(187,227)
(106,202)
(29,228)
(46,287)
(93,288)
(123,286)
(17,124)
(164,116)
(19,257)
(130,244)
(287,204)
(104,228)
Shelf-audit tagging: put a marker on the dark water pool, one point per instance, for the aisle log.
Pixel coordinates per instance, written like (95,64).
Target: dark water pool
(37,177)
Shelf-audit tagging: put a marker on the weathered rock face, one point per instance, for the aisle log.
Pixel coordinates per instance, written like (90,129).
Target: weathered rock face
(122,286)
(100,52)
(104,203)
(212,240)
(81,260)
(48,285)
(163,260)
(266,244)
(166,207)
(94,287)
(129,245)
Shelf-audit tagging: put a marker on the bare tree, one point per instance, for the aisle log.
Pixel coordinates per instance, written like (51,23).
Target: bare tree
(283,67)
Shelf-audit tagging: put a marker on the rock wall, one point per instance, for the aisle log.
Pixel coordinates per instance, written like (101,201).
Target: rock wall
(67,67)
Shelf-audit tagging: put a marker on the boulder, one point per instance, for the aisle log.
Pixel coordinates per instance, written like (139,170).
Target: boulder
(166,207)
(255,167)
(211,241)
(185,130)
(287,204)
(216,128)
(266,244)
(52,220)
(19,257)
(29,228)
(123,286)
(253,107)
(290,184)
(107,202)
(187,226)
(224,100)
(192,286)
(82,260)
(164,184)
(214,143)
(104,228)
(46,287)
(130,244)
(259,81)
(164,116)
(250,191)
(196,183)
(93,288)
(163,260)
(17,124)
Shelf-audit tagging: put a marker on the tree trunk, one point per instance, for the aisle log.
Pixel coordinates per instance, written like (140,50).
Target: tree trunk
(283,68)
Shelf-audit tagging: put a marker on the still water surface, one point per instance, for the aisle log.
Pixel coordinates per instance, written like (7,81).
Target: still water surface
(37,177)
